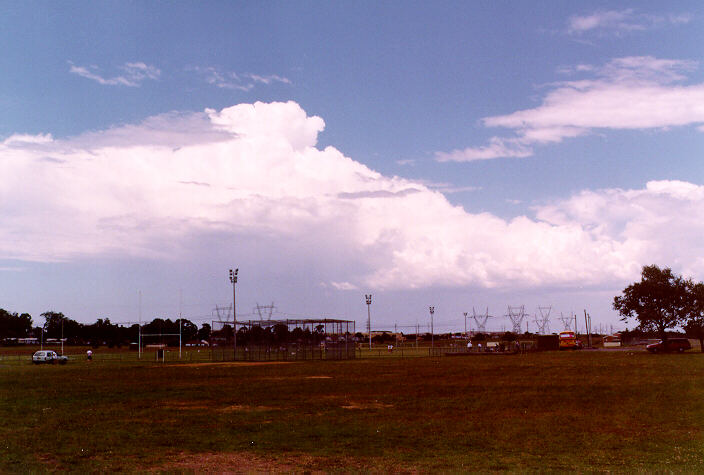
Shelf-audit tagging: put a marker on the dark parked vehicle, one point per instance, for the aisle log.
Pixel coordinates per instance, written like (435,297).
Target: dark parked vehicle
(672,344)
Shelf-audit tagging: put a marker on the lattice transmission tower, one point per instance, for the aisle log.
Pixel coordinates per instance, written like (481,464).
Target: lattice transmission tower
(567,321)
(222,315)
(481,320)
(267,310)
(542,320)
(516,315)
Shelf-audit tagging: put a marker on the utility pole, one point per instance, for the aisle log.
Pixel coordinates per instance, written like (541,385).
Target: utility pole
(62,336)
(465,324)
(432,328)
(589,317)
(233,280)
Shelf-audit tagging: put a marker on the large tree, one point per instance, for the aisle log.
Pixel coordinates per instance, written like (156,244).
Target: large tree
(658,302)
(13,325)
(57,324)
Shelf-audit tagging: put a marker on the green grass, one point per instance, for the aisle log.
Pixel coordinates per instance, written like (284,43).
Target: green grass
(616,411)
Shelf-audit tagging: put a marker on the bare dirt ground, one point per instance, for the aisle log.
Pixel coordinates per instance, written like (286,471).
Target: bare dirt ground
(244,462)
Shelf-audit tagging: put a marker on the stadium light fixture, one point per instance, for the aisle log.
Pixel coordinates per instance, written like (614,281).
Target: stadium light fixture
(432,328)
(233,280)
(368,299)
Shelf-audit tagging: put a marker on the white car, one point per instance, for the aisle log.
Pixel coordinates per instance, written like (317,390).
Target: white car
(48,356)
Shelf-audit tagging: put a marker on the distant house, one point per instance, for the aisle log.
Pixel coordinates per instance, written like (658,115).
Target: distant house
(197,343)
(612,341)
(20,341)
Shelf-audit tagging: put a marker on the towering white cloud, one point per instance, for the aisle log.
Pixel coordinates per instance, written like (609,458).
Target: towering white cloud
(179,184)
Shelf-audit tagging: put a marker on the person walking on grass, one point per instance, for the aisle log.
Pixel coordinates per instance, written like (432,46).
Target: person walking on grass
(89,354)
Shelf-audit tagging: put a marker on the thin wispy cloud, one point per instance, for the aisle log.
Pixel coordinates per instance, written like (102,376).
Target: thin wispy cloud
(267,79)
(26,139)
(620,22)
(237,81)
(498,147)
(377,194)
(449,189)
(223,80)
(12,269)
(630,93)
(343,286)
(133,74)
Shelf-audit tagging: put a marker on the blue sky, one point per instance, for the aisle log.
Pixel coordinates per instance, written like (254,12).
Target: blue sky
(454,154)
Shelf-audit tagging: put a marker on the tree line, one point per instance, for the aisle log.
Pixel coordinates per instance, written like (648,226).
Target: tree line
(663,301)
(56,325)
(14,326)
(660,301)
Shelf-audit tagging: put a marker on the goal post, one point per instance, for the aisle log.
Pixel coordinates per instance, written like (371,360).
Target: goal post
(289,339)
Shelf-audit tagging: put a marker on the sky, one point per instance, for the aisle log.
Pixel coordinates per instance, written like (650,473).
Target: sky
(468,156)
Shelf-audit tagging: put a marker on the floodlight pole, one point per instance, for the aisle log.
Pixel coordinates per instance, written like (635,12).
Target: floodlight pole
(180,320)
(432,328)
(368,299)
(233,280)
(139,329)
(586,327)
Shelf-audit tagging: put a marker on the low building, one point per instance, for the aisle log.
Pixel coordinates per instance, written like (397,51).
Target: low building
(612,341)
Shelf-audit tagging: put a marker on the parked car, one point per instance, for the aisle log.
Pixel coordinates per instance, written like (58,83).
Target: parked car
(672,344)
(48,356)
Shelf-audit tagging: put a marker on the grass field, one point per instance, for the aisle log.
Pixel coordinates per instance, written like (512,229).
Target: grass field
(615,411)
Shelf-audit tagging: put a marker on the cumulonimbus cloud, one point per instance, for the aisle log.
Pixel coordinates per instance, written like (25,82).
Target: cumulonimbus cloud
(253,172)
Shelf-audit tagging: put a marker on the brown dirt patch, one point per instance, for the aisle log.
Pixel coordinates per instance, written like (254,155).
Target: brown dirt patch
(199,406)
(245,462)
(185,405)
(292,378)
(50,461)
(367,405)
(243,408)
